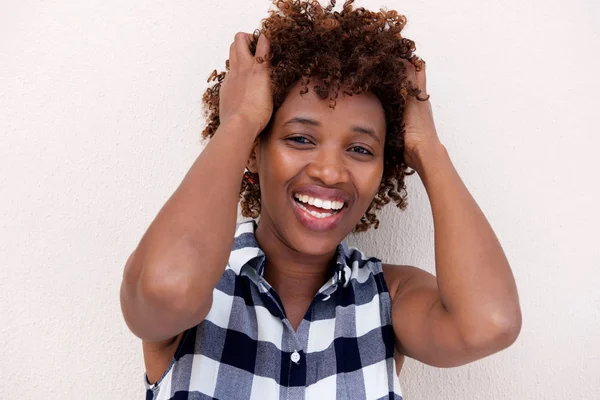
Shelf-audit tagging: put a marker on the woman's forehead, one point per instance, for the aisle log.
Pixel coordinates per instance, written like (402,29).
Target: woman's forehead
(363,109)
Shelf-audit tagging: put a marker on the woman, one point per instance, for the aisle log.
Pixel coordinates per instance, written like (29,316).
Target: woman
(320,115)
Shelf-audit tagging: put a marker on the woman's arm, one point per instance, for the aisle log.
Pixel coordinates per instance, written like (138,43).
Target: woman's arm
(169,279)
(471,309)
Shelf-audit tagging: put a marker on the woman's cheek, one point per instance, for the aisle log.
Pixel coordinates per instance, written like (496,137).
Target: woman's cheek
(374,178)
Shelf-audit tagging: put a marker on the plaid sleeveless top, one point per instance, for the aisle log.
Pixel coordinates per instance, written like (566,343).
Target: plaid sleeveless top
(247,349)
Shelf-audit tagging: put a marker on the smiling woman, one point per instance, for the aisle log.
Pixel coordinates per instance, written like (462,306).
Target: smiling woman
(320,116)
(351,52)
(326,154)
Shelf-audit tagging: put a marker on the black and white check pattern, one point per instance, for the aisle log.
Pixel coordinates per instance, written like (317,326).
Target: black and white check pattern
(247,349)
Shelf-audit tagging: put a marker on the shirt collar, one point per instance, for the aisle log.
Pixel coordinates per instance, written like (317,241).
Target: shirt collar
(246,252)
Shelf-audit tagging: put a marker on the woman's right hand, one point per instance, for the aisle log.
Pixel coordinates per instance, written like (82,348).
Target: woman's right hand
(245,92)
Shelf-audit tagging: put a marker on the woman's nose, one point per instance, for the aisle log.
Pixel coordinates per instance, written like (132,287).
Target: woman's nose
(329,167)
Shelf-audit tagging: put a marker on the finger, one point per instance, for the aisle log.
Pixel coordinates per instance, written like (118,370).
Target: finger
(416,75)
(263,49)
(232,55)
(242,47)
(421,78)
(410,71)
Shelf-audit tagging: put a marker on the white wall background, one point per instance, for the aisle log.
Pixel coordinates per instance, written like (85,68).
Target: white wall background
(100,119)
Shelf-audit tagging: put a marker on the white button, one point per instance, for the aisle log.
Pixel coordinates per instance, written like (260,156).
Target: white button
(295,356)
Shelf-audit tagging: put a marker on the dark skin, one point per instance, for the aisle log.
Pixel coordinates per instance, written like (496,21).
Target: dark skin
(325,152)
(469,310)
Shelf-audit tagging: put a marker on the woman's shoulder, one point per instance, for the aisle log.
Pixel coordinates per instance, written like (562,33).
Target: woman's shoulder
(354,257)
(395,275)
(403,278)
(362,266)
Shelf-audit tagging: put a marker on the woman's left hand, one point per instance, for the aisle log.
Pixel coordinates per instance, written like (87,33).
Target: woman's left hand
(420,132)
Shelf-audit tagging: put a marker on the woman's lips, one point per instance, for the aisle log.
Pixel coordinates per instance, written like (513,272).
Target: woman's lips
(315,223)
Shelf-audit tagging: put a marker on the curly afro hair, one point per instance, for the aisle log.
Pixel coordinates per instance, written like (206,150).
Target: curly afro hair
(357,49)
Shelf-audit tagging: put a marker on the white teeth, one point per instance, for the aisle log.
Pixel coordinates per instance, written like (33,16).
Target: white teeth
(314,213)
(324,204)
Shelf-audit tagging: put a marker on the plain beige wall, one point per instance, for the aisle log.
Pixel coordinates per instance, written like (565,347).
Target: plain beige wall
(100,119)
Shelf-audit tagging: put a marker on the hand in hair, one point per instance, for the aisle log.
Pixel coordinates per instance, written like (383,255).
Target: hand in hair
(420,132)
(246,90)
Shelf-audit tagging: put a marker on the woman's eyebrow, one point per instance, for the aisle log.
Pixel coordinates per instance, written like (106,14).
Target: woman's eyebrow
(314,122)
(302,120)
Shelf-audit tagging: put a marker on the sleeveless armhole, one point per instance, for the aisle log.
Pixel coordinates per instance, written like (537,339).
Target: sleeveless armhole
(154,386)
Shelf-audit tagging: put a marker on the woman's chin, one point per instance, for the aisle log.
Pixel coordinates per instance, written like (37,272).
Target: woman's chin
(314,243)
(315,247)
(311,238)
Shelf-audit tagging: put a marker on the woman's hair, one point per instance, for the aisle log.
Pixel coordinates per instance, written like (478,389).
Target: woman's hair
(358,49)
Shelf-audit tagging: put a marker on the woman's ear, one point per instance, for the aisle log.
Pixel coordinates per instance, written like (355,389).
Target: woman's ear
(252,164)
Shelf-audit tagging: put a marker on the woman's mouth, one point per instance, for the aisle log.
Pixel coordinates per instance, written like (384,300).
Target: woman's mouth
(316,207)
(316,213)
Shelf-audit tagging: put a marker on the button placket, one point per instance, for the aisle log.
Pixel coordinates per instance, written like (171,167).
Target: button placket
(295,357)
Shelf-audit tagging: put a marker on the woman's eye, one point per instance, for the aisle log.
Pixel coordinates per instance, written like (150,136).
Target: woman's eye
(299,139)
(360,150)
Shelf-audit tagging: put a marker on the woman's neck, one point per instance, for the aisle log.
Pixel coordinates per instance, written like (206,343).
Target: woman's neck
(292,274)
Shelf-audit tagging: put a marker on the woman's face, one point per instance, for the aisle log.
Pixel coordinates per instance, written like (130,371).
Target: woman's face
(320,168)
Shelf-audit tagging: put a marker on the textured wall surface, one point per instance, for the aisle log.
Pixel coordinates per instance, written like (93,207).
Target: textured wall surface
(100,120)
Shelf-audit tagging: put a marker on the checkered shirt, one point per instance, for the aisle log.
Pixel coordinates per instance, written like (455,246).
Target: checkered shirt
(246,348)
